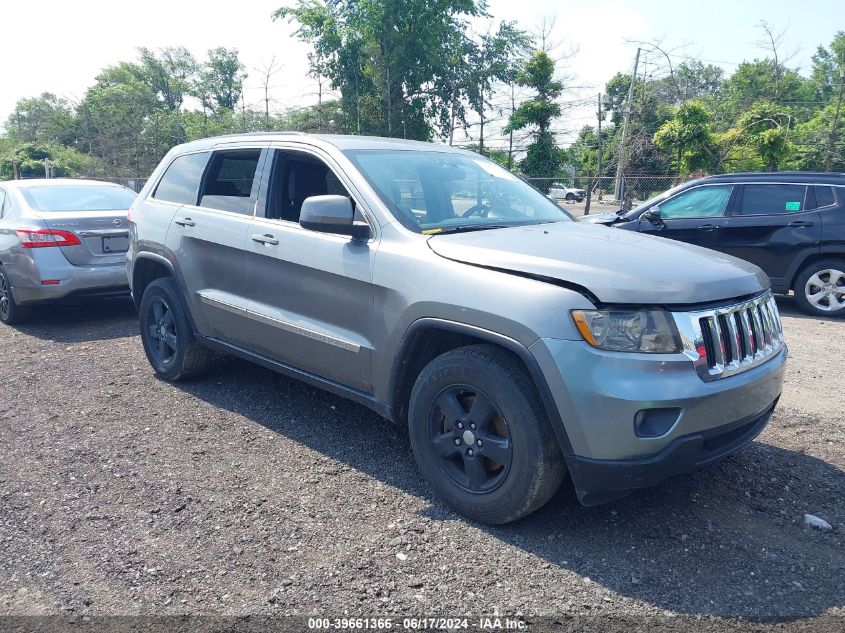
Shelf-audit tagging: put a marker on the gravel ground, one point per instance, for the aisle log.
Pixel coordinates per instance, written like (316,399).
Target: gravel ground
(244,492)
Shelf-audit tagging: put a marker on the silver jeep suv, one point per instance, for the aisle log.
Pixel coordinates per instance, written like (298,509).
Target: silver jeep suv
(444,293)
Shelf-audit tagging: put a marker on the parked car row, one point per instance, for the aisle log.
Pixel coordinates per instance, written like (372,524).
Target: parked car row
(436,288)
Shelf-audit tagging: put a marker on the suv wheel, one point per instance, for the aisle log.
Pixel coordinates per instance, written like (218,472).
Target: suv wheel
(820,288)
(570,197)
(10,312)
(166,333)
(481,437)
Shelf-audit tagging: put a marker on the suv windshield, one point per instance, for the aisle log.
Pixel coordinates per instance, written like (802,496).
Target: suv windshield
(78,197)
(436,192)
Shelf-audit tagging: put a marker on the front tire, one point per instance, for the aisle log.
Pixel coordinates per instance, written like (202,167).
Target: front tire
(570,197)
(820,288)
(481,437)
(166,333)
(10,312)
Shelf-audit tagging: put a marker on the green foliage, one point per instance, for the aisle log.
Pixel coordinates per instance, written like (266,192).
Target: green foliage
(764,127)
(46,118)
(687,135)
(393,61)
(221,82)
(543,158)
(29,158)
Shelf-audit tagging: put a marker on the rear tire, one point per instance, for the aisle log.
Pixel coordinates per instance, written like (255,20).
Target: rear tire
(10,312)
(820,288)
(481,436)
(166,333)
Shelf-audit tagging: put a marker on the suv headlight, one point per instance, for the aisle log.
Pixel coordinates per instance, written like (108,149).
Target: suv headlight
(647,331)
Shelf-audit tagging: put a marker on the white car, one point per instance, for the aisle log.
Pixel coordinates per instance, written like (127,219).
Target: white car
(570,194)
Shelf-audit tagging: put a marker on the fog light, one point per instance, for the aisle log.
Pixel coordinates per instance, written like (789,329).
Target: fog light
(49,282)
(655,422)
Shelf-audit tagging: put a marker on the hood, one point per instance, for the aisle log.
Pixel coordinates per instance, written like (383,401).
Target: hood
(599,218)
(616,266)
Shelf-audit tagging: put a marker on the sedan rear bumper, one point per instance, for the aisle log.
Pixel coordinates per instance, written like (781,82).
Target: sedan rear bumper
(76,282)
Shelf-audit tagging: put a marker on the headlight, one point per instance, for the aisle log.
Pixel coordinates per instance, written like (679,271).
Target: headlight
(649,331)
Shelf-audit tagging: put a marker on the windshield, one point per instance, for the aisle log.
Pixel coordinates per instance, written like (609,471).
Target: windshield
(436,192)
(58,198)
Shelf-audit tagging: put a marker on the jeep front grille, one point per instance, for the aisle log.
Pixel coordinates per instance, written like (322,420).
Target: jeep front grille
(729,340)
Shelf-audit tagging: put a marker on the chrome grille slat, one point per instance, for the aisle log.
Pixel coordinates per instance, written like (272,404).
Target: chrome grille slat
(747,334)
(731,339)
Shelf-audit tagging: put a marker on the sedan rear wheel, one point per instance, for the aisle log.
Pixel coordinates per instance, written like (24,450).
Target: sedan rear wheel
(10,312)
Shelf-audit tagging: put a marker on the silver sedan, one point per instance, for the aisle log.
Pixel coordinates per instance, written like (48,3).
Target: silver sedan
(61,239)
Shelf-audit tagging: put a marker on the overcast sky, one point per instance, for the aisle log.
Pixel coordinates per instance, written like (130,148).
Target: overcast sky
(60,46)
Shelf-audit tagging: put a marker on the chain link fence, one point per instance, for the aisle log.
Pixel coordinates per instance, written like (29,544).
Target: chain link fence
(581,194)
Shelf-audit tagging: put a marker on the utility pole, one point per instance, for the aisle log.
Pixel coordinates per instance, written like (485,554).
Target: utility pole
(828,163)
(621,164)
(590,183)
(598,160)
(510,136)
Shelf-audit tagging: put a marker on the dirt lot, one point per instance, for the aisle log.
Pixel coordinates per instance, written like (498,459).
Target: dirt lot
(245,492)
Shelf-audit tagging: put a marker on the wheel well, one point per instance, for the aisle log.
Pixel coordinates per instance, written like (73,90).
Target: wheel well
(424,346)
(811,260)
(144,273)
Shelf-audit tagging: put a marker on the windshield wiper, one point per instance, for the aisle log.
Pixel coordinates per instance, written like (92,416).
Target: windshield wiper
(467,228)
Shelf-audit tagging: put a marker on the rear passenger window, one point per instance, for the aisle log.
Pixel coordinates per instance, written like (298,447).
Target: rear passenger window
(824,197)
(230,183)
(771,199)
(2,203)
(181,181)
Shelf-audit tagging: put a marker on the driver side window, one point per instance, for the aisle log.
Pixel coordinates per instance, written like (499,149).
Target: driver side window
(709,201)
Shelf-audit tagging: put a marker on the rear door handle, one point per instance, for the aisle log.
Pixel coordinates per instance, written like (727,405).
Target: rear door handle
(186,222)
(709,227)
(265,239)
(800,224)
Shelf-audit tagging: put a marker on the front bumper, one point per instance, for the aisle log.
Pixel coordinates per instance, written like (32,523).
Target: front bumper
(600,481)
(599,395)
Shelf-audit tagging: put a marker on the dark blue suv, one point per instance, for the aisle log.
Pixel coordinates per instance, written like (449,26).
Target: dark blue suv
(791,224)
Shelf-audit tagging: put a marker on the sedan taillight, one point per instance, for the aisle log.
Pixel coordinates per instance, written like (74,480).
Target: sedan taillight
(43,238)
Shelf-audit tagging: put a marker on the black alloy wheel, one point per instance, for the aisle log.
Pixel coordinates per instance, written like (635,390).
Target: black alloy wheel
(162,331)
(470,438)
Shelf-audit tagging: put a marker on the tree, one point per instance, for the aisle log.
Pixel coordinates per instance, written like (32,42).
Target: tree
(543,158)
(169,74)
(46,118)
(221,80)
(493,58)
(764,128)
(386,57)
(687,135)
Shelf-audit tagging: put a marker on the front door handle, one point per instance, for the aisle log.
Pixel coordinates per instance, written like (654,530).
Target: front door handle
(185,222)
(800,224)
(265,239)
(709,227)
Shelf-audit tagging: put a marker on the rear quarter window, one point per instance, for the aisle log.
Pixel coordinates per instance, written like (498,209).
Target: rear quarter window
(825,196)
(181,181)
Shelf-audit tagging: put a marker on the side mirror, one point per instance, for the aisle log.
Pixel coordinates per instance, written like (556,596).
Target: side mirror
(331,214)
(653,216)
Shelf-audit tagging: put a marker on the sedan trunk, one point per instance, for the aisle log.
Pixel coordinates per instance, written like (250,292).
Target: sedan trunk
(104,235)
